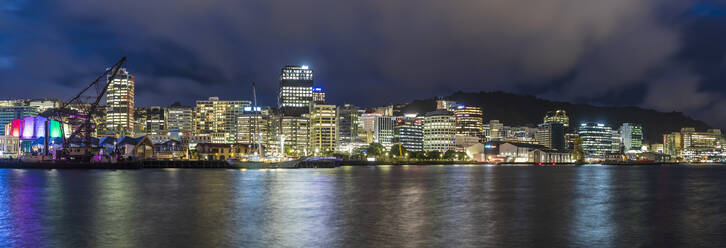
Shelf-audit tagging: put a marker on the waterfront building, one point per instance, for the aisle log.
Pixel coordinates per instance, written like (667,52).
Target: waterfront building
(408,131)
(294,135)
(673,144)
(521,134)
(439,131)
(140,117)
(218,118)
(702,146)
(557,116)
(617,142)
(383,131)
(494,131)
(318,95)
(171,150)
(597,139)
(323,129)
(551,135)
(531,153)
(9,146)
(214,151)
(10,113)
(296,90)
(368,127)
(469,121)
(251,126)
(348,128)
(462,142)
(179,120)
(120,104)
(156,121)
(632,136)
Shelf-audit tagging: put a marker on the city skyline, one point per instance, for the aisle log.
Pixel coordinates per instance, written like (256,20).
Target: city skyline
(579,56)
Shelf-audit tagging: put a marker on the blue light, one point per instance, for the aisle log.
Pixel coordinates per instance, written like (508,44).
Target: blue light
(317,89)
(461,107)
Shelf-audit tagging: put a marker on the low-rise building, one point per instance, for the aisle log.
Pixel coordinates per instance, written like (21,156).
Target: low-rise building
(214,151)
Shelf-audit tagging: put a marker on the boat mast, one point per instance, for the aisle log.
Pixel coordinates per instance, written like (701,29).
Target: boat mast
(254,110)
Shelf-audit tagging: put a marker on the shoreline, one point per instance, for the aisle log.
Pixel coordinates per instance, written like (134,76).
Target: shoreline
(205,164)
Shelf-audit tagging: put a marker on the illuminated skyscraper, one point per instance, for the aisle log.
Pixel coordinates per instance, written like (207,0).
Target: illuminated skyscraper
(408,132)
(348,127)
(296,90)
(558,116)
(439,131)
(551,135)
(383,131)
(469,121)
(218,118)
(120,104)
(632,136)
(180,120)
(294,133)
(156,122)
(323,129)
(596,139)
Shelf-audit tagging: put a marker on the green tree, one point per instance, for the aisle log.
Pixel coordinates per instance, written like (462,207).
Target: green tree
(449,154)
(433,155)
(376,149)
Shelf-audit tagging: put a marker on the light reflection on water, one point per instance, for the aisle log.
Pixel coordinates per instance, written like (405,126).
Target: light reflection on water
(400,206)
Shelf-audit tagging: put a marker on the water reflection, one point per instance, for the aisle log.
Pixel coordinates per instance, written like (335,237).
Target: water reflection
(387,206)
(592,208)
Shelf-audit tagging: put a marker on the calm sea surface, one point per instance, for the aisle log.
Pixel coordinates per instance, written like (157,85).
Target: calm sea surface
(385,206)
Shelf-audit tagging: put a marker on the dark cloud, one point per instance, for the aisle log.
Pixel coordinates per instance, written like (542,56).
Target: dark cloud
(376,51)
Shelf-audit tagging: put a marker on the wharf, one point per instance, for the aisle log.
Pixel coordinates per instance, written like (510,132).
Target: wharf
(146,164)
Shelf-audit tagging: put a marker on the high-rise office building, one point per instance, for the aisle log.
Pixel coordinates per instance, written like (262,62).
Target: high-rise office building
(120,104)
(632,136)
(323,129)
(469,121)
(558,116)
(156,122)
(368,127)
(551,135)
(296,90)
(348,123)
(294,132)
(180,120)
(408,131)
(218,118)
(318,95)
(596,139)
(439,131)
(251,126)
(383,131)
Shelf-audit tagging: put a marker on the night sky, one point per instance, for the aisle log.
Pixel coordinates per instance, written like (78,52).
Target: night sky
(662,54)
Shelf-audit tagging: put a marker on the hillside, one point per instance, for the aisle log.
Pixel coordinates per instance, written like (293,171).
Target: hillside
(516,110)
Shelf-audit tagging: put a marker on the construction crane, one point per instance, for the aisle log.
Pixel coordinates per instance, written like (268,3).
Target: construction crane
(80,115)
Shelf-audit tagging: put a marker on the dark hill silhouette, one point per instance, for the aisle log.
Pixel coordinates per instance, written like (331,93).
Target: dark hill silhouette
(526,110)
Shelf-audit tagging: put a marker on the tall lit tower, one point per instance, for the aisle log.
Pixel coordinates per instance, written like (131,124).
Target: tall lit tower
(296,90)
(120,104)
